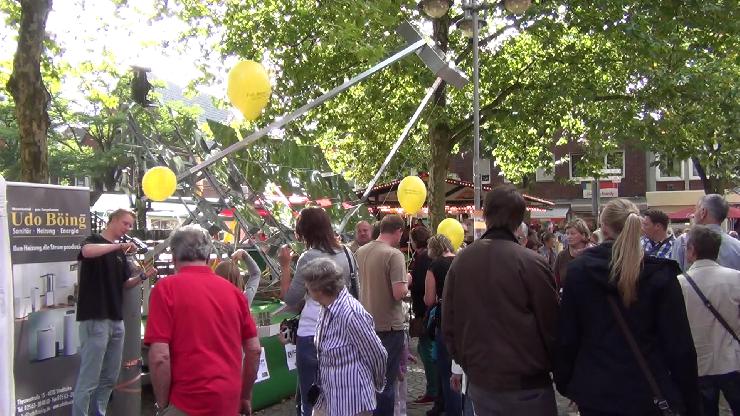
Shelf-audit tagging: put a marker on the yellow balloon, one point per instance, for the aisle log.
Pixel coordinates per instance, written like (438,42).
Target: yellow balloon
(159,183)
(452,229)
(229,237)
(249,88)
(412,192)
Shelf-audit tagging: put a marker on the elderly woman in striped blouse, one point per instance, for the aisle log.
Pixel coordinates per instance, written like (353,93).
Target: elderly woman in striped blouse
(351,357)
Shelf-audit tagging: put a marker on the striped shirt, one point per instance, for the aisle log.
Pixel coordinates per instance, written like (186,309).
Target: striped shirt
(352,360)
(661,249)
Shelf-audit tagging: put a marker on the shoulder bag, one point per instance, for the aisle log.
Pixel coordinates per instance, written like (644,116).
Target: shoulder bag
(658,399)
(711,308)
(354,289)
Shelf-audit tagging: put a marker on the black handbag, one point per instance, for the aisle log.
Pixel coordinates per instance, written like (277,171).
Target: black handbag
(289,330)
(658,399)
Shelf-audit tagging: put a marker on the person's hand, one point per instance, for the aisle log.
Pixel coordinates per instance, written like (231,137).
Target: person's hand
(127,247)
(456,382)
(150,271)
(410,278)
(246,407)
(412,358)
(240,254)
(285,255)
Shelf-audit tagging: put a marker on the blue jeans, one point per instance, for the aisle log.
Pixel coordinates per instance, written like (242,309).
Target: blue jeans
(710,386)
(308,363)
(467,406)
(101,350)
(393,343)
(452,399)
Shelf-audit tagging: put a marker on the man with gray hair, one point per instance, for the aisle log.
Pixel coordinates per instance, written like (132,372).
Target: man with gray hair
(717,351)
(203,345)
(363,235)
(521,234)
(711,210)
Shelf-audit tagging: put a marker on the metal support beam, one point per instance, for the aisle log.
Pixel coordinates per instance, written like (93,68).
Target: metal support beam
(282,121)
(431,57)
(406,130)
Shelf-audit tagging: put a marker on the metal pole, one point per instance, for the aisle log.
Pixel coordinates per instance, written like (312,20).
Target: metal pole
(476,111)
(127,392)
(282,121)
(595,194)
(409,125)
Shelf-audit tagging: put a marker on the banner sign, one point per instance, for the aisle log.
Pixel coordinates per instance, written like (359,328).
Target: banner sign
(606,190)
(7,395)
(46,225)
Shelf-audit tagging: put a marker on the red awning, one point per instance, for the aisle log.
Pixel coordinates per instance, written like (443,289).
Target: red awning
(688,212)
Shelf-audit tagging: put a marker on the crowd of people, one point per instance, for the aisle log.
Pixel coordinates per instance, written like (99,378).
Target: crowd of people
(629,319)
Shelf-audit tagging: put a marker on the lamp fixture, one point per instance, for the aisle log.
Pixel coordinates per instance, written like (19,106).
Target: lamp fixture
(517,6)
(435,8)
(465,25)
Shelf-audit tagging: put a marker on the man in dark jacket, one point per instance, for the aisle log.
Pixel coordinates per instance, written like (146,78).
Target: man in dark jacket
(499,315)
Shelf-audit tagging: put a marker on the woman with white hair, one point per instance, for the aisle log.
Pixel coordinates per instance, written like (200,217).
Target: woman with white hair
(351,357)
(624,343)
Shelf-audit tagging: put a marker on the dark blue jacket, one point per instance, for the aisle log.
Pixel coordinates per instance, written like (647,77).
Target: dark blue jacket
(594,365)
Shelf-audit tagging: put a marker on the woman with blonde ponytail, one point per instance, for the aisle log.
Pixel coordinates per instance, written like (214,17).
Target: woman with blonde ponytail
(594,365)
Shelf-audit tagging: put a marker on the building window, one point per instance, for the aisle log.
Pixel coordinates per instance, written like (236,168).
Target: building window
(577,168)
(84,181)
(676,171)
(694,173)
(613,166)
(542,176)
(670,170)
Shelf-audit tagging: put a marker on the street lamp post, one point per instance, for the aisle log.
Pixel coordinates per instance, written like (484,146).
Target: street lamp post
(470,26)
(476,111)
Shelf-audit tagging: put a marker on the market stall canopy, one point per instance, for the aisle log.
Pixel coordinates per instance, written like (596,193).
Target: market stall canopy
(459,196)
(688,212)
(558,213)
(108,203)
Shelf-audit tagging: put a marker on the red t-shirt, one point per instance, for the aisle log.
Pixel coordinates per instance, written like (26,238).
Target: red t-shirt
(205,320)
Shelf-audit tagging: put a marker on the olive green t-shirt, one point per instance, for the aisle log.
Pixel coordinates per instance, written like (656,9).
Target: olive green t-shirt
(380,266)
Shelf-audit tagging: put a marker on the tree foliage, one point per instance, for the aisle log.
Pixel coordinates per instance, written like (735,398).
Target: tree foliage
(658,75)
(27,87)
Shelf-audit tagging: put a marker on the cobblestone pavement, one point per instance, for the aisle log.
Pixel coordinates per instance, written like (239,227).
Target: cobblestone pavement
(416,384)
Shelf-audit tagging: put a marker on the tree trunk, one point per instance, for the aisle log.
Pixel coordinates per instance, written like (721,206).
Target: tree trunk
(30,94)
(440,137)
(439,143)
(711,185)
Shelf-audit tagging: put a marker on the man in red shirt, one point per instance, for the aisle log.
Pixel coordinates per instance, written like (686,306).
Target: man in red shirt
(199,328)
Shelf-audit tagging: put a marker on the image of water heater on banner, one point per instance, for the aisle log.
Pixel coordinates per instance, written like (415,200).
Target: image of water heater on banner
(48,344)
(34,303)
(41,286)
